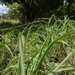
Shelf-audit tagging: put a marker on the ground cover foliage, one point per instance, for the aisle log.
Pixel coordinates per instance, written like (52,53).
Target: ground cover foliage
(39,49)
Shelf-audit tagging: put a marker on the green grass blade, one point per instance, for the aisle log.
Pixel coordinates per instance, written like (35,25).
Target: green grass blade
(8,48)
(68,56)
(21,47)
(48,49)
(66,68)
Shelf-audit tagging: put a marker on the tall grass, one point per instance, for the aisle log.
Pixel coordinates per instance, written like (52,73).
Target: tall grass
(32,55)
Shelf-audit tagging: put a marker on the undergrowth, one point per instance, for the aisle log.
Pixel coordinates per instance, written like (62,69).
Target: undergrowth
(40,49)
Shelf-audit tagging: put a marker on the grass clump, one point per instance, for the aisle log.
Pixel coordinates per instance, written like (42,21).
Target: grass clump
(40,49)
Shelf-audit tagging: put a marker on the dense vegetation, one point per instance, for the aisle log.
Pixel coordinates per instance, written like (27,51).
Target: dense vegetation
(33,9)
(33,41)
(45,48)
(29,10)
